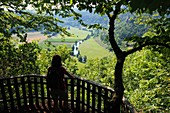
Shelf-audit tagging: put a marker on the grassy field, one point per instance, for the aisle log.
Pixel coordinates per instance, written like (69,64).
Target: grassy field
(58,40)
(92,49)
(81,34)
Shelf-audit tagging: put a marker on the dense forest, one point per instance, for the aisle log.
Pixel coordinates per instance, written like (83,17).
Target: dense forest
(140,45)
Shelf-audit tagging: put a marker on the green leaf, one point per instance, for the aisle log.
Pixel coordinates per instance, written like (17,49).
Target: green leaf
(71,1)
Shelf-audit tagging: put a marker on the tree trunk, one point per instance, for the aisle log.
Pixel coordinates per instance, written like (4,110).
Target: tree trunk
(118,87)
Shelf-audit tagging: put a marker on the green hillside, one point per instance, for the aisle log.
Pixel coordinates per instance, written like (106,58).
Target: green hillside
(92,49)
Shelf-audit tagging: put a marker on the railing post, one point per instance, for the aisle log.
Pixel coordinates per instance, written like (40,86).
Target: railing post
(72,94)
(49,98)
(83,95)
(105,100)
(36,92)
(24,90)
(3,95)
(42,92)
(78,96)
(10,94)
(88,97)
(16,86)
(99,99)
(30,92)
(93,98)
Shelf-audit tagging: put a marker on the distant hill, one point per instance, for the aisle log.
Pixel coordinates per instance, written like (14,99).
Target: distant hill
(125,26)
(88,18)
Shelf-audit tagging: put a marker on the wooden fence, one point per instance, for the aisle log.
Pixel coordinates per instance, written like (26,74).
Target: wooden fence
(30,93)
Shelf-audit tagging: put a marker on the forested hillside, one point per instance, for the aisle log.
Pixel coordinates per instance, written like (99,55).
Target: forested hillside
(146,78)
(126,26)
(88,18)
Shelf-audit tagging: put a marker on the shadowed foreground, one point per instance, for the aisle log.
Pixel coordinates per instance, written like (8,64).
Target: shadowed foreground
(30,94)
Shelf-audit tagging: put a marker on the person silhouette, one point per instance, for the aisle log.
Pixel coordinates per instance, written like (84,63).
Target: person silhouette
(56,82)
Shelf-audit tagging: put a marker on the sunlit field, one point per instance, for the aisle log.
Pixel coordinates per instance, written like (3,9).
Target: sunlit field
(92,49)
(77,35)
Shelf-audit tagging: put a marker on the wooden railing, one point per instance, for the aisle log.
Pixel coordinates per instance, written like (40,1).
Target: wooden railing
(30,92)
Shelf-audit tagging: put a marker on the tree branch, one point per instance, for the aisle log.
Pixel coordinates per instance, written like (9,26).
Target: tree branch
(112,40)
(144,45)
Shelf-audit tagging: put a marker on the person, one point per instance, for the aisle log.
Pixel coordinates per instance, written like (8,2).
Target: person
(59,89)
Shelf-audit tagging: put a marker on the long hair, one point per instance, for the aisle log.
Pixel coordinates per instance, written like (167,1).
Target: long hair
(56,61)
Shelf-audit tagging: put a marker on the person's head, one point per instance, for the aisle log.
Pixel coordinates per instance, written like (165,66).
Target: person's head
(56,61)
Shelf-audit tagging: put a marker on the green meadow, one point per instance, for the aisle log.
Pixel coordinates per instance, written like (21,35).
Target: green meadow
(77,35)
(92,49)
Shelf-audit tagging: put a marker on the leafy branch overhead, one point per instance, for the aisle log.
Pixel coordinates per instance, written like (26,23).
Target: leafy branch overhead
(17,17)
(161,6)
(158,34)
(140,42)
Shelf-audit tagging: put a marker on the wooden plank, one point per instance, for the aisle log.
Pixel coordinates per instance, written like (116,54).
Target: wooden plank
(42,92)
(11,99)
(49,98)
(18,98)
(24,90)
(30,93)
(3,94)
(88,98)
(93,98)
(36,92)
(99,99)
(105,100)
(72,94)
(78,96)
(83,96)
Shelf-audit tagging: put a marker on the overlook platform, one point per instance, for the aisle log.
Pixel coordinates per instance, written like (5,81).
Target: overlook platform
(29,94)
